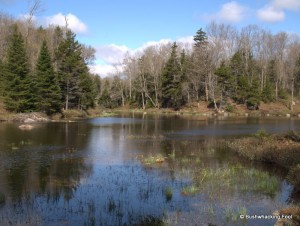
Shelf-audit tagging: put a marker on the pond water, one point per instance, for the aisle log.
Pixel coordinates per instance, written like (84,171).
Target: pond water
(138,170)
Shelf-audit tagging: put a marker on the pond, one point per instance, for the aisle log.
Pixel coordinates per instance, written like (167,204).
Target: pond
(136,169)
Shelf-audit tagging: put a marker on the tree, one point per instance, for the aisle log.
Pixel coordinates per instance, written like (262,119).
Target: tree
(88,91)
(70,67)
(105,99)
(171,81)
(3,81)
(225,80)
(49,93)
(200,38)
(17,81)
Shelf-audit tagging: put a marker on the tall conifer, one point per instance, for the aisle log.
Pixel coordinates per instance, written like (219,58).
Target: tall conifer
(18,70)
(49,98)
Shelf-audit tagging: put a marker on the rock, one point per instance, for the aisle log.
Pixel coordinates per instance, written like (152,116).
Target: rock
(29,120)
(26,127)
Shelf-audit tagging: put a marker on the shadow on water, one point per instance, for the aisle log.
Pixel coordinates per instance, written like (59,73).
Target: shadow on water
(136,170)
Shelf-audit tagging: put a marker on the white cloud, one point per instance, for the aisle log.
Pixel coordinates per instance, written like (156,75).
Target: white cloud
(287,4)
(25,17)
(230,12)
(73,22)
(105,70)
(270,14)
(112,55)
(275,10)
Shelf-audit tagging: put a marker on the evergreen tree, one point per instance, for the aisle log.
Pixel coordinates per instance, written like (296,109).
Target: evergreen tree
(88,91)
(49,94)
(254,95)
(70,68)
(2,80)
(200,38)
(268,92)
(171,81)
(17,77)
(225,80)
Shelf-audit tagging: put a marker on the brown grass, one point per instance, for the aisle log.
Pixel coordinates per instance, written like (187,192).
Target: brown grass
(294,211)
(74,114)
(275,149)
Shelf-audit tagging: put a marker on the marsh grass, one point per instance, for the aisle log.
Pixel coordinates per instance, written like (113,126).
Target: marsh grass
(155,159)
(190,190)
(169,193)
(232,179)
(2,198)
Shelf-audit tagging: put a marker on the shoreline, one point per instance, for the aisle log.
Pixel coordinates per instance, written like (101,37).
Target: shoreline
(79,114)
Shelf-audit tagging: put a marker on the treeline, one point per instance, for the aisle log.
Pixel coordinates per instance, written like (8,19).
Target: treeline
(44,69)
(224,65)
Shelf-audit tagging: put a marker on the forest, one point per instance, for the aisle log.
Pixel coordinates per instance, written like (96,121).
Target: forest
(47,70)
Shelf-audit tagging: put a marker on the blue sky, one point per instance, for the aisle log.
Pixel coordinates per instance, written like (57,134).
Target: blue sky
(114,27)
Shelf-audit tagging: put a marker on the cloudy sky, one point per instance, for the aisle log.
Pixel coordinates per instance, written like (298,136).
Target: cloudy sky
(115,27)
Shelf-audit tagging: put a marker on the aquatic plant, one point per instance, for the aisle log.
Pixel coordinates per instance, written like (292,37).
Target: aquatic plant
(190,190)
(2,198)
(153,159)
(169,193)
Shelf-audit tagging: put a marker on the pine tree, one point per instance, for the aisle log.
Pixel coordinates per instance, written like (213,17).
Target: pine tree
(200,38)
(225,80)
(254,95)
(171,81)
(70,67)
(17,66)
(2,80)
(49,94)
(88,91)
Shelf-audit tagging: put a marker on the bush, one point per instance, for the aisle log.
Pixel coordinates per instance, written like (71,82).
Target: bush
(282,94)
(229,108)
(253,103)
(261,133)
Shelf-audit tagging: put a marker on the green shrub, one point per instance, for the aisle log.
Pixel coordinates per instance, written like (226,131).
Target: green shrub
(253,103)
(261,133)
(229,108)
(282,94)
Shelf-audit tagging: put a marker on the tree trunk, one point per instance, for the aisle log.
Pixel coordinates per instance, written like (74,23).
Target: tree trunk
(67,96)
(143,100)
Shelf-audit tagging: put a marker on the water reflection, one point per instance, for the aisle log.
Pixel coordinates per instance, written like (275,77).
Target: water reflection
(94,172)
